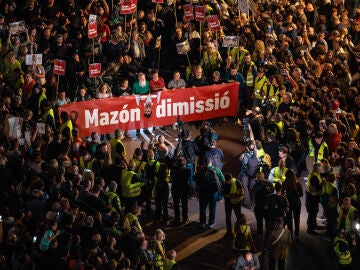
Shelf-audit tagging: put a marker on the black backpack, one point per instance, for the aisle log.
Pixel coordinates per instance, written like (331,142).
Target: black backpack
(276,207)
(150,173)
(213,183)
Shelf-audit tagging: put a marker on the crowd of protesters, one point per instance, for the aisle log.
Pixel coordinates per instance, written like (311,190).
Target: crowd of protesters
(73,203)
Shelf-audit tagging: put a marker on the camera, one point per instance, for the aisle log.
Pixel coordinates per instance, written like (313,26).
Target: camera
(34,239)
(1,218)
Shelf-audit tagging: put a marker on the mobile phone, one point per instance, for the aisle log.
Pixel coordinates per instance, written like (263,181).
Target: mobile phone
(34,239)
(87,170)
(1,218)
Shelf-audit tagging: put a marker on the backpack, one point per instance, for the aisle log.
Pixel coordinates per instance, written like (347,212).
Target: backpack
(213,183)
(276,208)
(253,166)
(242,239)
(150,173)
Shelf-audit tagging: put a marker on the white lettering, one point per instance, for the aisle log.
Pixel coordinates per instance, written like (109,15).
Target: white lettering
(114,116)
(161,109)
(91,119)
(199,105)
(225,101)
(124,115)
(181,108)
(209,105)
(104,118)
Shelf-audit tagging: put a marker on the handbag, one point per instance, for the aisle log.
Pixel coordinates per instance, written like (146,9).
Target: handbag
(279,237)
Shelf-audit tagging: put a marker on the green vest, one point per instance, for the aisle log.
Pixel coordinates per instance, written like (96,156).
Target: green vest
(46,114)
(129,189)
(310,188)
(68,124)
(158,258)
(169,264)
(279,176)
(114,200)
(258,87)
(113,144)
(344,258)
(320,154)
(88,165)
(131,217)
(234,191)
(328,188)
(249,80)
(348,219)
(245,229)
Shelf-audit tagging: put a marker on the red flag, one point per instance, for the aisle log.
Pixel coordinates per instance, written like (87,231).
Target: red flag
(200,13)
(59,67)
(188,12)
(94,70)
(158,1)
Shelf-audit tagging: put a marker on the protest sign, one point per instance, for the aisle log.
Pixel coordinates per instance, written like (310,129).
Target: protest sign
(200,13)
(59,67)
(243,6)
(183,47)
(94,70)
(33,59)
(213,23)
(17,27)
(128,6)
(231,41)
(92,26)
(188,12)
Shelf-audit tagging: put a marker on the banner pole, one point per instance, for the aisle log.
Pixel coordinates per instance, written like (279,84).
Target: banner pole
(200,39)
(57,84)
(156,8)
(125,24)
(93,50)
(176,22)
(187,56)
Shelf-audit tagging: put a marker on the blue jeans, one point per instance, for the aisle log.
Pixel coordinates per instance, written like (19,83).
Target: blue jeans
(206,199)
(191,179)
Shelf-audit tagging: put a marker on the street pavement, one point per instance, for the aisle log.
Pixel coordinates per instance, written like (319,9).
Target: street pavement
(209,249)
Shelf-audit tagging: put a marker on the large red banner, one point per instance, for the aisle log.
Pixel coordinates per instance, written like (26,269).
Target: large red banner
(128,6)
(135,112)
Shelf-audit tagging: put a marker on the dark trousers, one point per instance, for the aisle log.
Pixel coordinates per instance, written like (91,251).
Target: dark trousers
(248,184)
(129,202)
(312,207)
(229,207)
(205,200)
(280,263)
(183,197)
(260,215)
(161,204)
(294,213)
(331,218)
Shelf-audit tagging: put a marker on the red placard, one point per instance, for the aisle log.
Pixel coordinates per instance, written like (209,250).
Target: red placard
(188,12)
(59,67)
(213,23)
(128,6)
(92,30)
(158,1)
(135,112)
(94,70)
(200,13)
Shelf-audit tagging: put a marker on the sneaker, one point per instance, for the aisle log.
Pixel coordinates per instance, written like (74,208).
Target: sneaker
(212,225)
